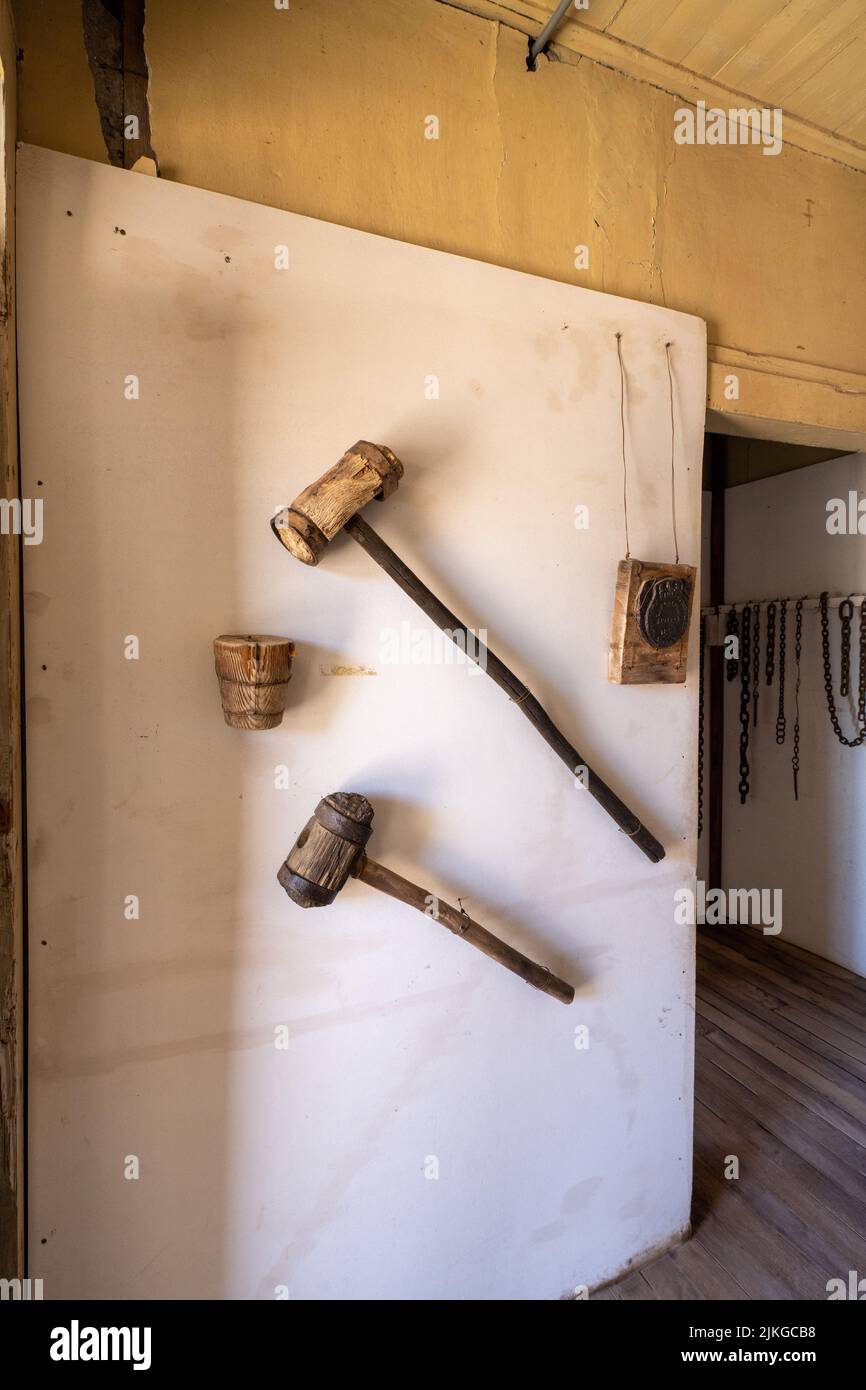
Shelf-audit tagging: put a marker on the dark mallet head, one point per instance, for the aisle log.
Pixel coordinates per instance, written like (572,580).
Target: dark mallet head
(328,849)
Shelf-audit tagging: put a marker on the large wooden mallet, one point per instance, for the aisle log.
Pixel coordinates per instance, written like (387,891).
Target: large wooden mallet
(368,471)
(330,850)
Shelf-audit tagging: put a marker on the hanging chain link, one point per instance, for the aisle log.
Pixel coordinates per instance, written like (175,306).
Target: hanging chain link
(798,649)
(732,629)
(846,613)
(861,673)
(703,648)
(756,661)
(781,722)
(745,675)
(771,642)
(746,627)
(828,677)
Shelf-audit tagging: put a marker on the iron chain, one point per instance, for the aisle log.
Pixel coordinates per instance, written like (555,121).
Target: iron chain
(781,722)
(732,629)
(846,613)
(828,677)
(798,648)
(756,661)
(771,642)
(701,726)
(745,675)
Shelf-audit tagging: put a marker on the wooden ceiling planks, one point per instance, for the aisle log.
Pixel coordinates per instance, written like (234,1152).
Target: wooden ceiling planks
(796,54)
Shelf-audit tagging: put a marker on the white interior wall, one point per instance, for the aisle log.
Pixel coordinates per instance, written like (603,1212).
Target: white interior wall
(305,1167)
(777,543)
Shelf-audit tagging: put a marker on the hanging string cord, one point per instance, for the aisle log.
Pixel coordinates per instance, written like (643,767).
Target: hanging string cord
(668,347)
(622,431)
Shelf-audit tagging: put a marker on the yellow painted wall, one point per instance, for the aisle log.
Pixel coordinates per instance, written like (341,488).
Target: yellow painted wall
(56,106)
(320,109)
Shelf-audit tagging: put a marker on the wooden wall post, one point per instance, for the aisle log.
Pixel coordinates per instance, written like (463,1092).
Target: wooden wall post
(12,967)
(718,455)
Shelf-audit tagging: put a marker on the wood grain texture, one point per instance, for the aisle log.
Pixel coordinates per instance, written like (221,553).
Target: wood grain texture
(714,675)
(253,672)
(12,928)
(323,859)
(633,660)
(327,849)
(786,1098)
(788,53)
(365,471)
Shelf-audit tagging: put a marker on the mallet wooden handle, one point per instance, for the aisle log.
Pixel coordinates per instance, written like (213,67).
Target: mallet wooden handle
(457,922)
(526,702)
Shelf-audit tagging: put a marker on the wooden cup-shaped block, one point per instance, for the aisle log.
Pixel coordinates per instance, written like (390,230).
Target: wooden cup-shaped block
(253,671)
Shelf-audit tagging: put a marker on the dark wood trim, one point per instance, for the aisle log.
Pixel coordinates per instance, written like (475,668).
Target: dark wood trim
(113,38)
(12,939)
(715,782)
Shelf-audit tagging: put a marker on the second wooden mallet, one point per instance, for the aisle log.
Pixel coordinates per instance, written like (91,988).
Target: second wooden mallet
(331,849)
(368,471)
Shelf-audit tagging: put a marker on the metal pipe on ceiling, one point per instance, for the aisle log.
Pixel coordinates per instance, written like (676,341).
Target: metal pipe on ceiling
(538,45)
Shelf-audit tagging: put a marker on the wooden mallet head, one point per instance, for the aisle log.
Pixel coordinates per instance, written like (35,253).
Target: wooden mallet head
(328,849)
(366,471)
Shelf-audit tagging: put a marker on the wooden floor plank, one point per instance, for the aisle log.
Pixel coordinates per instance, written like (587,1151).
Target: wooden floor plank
(668,1280)
(811,1066)
(793,960)
(784,1200)
(752,1251)
(774,973)
(780,1083)
(822,965)
(705,1272)
(735,985)
(786,1115)
(779,987)
(811,1022)
(795,1153)
(833,981)
(634,1288)
(784,1077)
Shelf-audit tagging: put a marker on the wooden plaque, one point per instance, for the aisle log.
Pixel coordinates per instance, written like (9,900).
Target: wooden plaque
(652,612)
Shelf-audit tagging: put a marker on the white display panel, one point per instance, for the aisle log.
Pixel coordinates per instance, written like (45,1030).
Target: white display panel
(306,1169)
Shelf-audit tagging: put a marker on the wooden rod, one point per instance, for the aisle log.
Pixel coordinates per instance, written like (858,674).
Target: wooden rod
(498,672)
(377,876)
(810,603)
